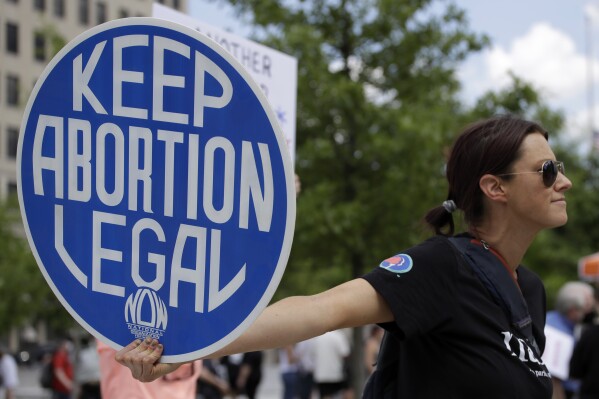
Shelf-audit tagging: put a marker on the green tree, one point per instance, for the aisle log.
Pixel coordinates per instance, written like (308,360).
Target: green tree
(519,98)
(376,106)
(56,41)
(26,297)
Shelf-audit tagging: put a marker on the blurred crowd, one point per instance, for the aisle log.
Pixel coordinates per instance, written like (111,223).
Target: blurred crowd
(86,369)
(318,368)
(572,342)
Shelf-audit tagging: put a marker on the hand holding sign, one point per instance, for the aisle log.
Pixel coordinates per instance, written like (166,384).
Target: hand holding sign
(155,185)
(142,359)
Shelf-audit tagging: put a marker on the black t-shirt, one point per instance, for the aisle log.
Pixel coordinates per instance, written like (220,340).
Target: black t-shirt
(456,342)
(584,364)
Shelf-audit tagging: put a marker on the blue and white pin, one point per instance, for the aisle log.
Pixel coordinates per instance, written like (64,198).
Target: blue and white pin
(398,264)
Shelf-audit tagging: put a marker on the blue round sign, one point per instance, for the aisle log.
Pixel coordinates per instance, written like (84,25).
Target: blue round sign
(156,188)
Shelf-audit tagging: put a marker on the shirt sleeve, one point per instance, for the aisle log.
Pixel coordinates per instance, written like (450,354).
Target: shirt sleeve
(419,286)
(60,360)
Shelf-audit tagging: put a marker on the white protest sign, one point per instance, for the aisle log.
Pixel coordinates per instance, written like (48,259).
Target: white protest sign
(558,351)
(275,72)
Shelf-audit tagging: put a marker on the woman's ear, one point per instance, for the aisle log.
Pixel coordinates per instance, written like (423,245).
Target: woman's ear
(493,188)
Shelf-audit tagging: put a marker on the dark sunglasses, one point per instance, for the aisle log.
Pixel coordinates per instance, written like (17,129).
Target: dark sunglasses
(549,170)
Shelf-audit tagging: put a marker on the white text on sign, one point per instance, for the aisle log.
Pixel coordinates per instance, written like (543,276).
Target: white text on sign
(85,152)
(82,76)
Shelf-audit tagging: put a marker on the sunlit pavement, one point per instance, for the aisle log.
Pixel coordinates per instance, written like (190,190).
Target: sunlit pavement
(29,387)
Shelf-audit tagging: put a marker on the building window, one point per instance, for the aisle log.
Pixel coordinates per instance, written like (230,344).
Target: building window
(84,12)
(39,5)
(12,38)
(12,90)
(100,13)
(59,8)
(176,4)
(39,46)
(12,142)
(123,13)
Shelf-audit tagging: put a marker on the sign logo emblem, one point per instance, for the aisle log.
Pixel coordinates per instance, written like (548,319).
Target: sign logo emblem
(156,187)
(146,314)
(401,263)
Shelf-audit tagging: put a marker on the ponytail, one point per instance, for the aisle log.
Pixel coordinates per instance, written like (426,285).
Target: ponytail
(441,217)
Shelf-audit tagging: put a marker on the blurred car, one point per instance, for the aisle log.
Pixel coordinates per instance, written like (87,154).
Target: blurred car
(32,352)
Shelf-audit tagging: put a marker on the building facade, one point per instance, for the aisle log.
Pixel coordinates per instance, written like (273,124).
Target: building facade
(31,33)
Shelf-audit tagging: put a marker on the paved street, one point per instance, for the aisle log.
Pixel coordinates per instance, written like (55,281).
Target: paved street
(270,387)
(29,387)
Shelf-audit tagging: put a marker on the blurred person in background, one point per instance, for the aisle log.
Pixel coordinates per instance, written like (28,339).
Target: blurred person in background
(304,352)
(244,371)
(371,348)
(63,373)
(330,353)
(250,374)
(9,376)
(574,301)
(116,381)
(592,317)
(289,371)
(584,364)
(212,383)
(87,373)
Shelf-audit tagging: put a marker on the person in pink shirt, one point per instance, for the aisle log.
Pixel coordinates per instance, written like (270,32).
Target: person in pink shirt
(116,381)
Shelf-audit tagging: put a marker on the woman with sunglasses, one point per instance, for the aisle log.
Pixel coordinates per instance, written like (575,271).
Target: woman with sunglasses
(456,341)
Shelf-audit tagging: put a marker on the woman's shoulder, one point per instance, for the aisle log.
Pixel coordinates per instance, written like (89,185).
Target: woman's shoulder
(432,252)
(437,242)
(434,246)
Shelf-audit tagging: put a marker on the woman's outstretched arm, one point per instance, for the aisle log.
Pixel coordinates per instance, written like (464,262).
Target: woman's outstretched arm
(286,322)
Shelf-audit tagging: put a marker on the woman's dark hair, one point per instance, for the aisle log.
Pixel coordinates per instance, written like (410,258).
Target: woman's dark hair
(487,146)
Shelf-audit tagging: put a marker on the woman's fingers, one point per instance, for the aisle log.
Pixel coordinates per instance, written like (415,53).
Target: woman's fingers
(141,357)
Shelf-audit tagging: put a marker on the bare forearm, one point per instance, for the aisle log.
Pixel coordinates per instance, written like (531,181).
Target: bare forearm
(286,322)
(62,377)
(296,319)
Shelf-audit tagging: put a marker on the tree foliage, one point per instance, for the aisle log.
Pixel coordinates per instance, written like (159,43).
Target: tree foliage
(376,105)
(377,110)
(26,297)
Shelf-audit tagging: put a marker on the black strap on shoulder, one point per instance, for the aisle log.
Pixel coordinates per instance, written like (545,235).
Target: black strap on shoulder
(502,287)
(383,382)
